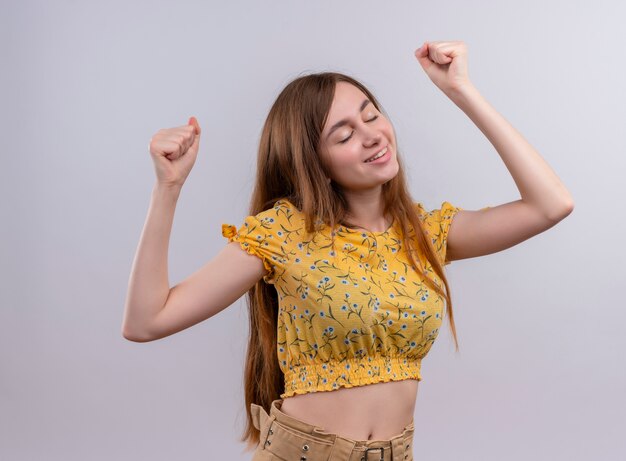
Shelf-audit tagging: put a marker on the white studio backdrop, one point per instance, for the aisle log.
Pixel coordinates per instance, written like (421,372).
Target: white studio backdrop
(85,85)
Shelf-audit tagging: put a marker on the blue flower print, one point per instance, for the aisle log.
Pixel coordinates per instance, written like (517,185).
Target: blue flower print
(376,289)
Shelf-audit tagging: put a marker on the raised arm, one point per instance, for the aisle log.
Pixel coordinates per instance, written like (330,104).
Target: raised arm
(153,310)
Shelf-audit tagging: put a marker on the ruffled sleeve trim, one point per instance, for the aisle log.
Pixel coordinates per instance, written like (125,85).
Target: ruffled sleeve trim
(230,232)
(446,214)
(437,223)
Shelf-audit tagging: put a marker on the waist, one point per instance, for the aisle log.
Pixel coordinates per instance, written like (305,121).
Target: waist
(376,411)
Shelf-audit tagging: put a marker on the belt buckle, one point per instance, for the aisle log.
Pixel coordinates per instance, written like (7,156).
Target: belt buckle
(368,449)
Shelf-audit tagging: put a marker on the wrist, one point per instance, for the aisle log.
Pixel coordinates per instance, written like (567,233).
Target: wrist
(462,93)
(168,190)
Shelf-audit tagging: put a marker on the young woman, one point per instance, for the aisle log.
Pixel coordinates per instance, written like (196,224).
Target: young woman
(344,271)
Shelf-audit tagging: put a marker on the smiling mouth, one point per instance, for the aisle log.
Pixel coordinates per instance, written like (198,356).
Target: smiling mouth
(378,155)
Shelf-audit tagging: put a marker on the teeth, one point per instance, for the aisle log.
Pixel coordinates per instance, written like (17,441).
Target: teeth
(380,154)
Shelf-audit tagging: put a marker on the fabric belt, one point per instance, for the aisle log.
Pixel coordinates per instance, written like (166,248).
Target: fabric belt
(295,441)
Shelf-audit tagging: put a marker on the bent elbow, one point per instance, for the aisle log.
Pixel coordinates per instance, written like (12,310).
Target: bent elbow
(562,213)
(135,336)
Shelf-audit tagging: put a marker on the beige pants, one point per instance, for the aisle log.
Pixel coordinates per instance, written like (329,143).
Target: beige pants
(285,438)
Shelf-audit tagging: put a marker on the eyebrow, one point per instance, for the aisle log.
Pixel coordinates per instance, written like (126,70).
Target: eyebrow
(341,123)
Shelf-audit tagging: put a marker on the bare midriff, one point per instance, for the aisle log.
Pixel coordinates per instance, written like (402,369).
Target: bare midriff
(371,412)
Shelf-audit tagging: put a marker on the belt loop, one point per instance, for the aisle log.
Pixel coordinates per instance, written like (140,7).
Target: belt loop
(255,412)
(342,448)
(262,421)
(398,449)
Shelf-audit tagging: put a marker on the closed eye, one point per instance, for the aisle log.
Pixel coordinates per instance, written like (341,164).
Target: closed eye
(348,138)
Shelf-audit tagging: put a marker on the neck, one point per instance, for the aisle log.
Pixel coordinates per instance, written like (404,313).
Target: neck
(366,211)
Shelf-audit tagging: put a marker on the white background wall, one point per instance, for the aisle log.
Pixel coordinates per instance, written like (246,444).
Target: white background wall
(85,85)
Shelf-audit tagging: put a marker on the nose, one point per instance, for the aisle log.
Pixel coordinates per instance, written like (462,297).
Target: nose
(371,136)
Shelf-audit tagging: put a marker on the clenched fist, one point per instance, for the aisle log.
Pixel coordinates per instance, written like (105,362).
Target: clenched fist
(174,152)
(445,63)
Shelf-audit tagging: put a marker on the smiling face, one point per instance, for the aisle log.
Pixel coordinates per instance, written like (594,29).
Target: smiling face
(354,132)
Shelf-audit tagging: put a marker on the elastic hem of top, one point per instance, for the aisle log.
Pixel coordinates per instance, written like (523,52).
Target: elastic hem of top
(352,372)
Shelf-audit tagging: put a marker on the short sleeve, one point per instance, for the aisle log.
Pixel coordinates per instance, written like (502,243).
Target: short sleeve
(437,223)
(262,236)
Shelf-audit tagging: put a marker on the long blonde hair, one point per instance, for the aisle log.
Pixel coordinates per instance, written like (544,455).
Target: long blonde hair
(289,166)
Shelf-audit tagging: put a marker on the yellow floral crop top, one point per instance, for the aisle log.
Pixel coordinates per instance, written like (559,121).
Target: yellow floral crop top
(357,316)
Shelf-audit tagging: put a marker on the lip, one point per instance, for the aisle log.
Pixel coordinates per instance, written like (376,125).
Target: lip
(382,159)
